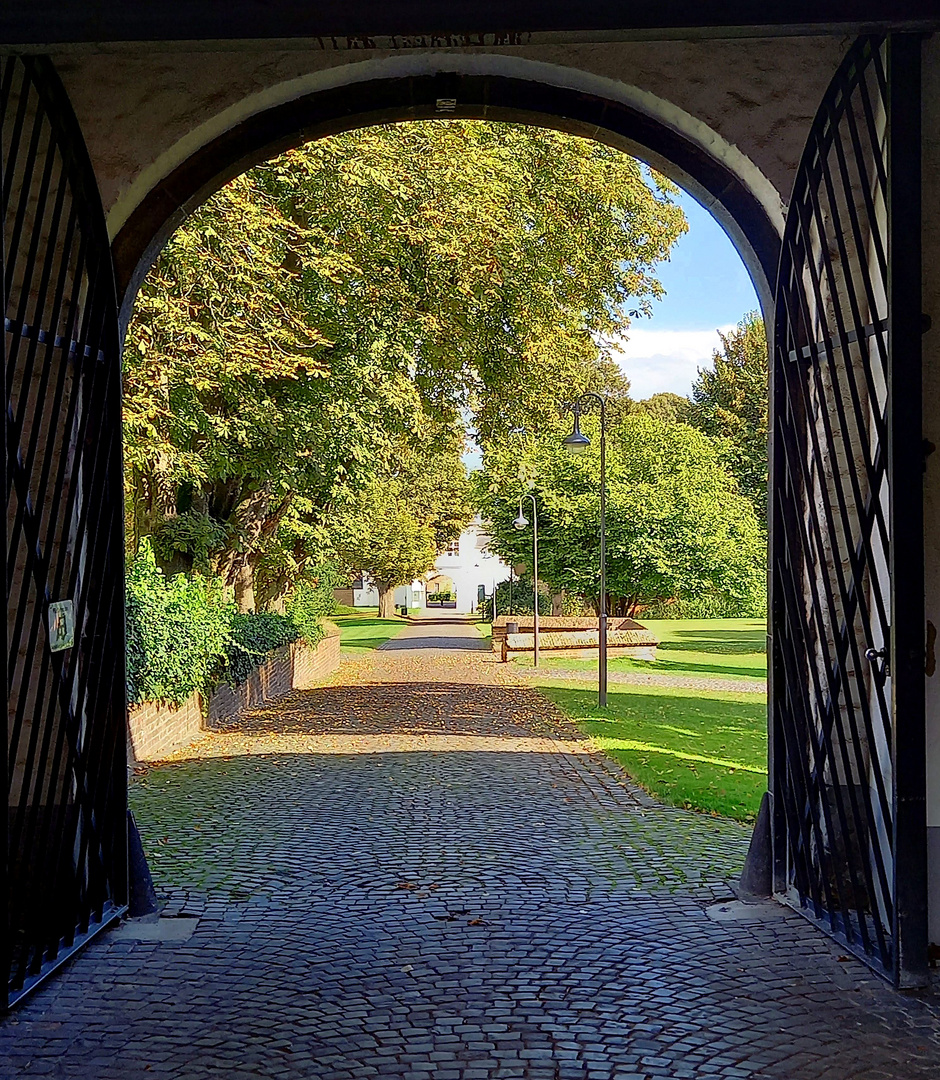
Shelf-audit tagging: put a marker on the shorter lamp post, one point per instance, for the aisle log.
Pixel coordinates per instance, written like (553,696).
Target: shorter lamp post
(577,443)
(521,522)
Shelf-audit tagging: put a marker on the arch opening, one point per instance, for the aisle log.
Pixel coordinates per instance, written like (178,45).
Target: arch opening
(495,88)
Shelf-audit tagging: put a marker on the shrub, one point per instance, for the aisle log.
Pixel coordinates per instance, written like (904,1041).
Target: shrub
(177,631)
(522,600)
(252,637)
(709,606)
(183,635)
(311,600)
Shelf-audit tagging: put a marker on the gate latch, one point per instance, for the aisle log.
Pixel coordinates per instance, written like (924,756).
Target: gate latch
(878,658)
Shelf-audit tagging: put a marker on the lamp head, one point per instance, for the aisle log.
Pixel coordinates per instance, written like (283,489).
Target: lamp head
(576,442)
(520,522)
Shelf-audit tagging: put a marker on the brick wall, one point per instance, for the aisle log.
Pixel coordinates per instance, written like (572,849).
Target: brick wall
(155,729)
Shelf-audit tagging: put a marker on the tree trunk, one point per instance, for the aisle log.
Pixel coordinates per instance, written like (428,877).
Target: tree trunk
(245,585)
(386,600)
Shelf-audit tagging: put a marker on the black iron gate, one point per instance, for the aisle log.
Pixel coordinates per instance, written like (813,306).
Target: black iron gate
(64,758)
(847,575)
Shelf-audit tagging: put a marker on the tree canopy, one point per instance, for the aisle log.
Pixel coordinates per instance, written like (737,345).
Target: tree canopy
(730,401)
(678,526)
(364,297)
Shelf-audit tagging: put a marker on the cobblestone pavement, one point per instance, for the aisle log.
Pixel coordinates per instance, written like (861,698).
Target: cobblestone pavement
(423,872)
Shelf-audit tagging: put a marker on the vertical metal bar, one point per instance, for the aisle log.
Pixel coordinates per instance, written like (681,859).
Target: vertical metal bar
(776,629)
(5,777)
(535,578)
(906,514)
(602,619)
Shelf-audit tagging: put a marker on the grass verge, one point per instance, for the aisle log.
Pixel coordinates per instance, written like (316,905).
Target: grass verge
(363,632)
(696,749)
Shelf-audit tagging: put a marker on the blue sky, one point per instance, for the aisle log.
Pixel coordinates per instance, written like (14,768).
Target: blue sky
(707,288)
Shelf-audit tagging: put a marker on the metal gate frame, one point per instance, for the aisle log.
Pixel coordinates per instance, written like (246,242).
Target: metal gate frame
(847,551)
(63,760)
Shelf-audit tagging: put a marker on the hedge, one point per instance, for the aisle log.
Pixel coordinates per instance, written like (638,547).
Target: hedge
(183,634)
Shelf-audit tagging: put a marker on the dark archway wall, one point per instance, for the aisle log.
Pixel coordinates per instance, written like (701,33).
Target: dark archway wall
(417,98)
(726,118)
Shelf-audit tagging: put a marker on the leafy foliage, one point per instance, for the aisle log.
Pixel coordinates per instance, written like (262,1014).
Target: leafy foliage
(252,637)
(312,600)
(178,629)
(193,535)
(350,303)
(665,406)
(677,524)
(730,401)
(183,635)
(382,536)
(523,599)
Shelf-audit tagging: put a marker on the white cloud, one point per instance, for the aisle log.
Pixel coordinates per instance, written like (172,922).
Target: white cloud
(659,360)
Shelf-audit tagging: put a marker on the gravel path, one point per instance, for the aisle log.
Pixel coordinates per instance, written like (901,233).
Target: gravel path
(653,678)
(425,872)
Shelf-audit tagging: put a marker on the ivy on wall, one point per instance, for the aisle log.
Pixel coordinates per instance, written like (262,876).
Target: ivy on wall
(185,634)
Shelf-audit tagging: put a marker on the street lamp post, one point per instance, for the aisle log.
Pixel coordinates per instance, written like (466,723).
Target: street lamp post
(577,443)
(521,522)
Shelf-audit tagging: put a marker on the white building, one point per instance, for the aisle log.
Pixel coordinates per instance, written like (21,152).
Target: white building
(464,565)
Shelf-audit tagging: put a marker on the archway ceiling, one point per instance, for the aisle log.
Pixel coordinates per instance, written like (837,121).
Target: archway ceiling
(416,23)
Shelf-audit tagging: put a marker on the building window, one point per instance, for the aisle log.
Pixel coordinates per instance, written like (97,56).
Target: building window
(453,548)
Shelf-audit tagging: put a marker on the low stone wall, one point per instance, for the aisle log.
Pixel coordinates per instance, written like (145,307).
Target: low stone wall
(292,667)
(557,623)
(639,644)
(156,728)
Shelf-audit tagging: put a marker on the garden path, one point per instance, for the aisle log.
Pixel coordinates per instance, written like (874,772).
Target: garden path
(715,683)
(424,871)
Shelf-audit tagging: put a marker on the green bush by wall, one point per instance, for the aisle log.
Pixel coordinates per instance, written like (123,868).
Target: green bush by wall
(178,629)
(183,634)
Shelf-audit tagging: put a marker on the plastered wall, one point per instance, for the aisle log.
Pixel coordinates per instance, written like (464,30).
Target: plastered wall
(143,112)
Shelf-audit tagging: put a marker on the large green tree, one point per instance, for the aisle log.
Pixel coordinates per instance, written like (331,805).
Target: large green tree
(354,295)
(381,534)
(394,530)
(678,526)
(730,402)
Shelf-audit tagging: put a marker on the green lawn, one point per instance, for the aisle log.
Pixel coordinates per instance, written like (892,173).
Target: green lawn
(691,748)
(364,631)
(699,749)
(732,648)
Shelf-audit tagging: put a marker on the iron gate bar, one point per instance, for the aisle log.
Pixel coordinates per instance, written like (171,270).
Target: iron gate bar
(847,751)
(6,767)
(853,337)
(836,672)
(906,507)
(57,341)
(65,839)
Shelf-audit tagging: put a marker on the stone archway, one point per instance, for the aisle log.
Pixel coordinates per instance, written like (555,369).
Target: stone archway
(459,85)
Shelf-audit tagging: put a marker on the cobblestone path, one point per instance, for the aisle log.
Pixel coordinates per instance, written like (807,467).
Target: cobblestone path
(424,873)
